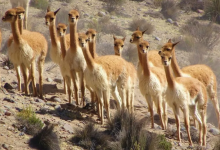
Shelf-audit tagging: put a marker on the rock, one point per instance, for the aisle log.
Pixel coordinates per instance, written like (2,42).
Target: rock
(5,146)
(170,20)
(176,24)
(8,107)
(113,17)
(8,86)
(55,99)
(214,131)
(6,67)
(58,108)
(21,134)
(8,113)
(43,110)
(68,128)
(58,80)
(200,11)
(10,129)
(49,80)
(85,15)
(8,100)
(2,122)
(101,14)
(39,100)
(157,38)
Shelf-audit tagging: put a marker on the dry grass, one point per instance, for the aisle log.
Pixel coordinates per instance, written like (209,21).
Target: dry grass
(39,4)
(193,5)
(169,9)
(142,24)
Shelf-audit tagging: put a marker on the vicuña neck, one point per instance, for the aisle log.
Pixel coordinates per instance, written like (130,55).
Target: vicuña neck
(63,46)
(176,69)
(145,64)
(88,57)
(53,34)
(73,37)
(169,76)
(92,48)
(20,25)
(15,31)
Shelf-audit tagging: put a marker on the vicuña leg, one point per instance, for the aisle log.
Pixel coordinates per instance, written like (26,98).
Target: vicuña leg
(17,68)
(76,86)
(25,72)
(186,120)
(150,108)
(32,75)
(82,86)
(117,97)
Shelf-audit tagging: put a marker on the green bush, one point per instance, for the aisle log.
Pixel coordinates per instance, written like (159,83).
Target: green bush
(142,24)
(39,4)
(212,10)
(163,143)
(28,119)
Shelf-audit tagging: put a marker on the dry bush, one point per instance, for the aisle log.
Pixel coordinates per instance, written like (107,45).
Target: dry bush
(112,5)
(200,37)
(105,48)
(154,14)
(157,3)
(131,54)
(142,24)
(212,10)
(46,139)
(90,138)
(67,1)
(169,9)
(189,5)
(39,4)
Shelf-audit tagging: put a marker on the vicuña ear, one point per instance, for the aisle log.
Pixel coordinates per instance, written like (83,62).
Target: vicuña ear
(144,32)
(124,38)
(48,8)
(159,52)
(114,37)
(174,44)
(169,41)
(137,29)
(56,11)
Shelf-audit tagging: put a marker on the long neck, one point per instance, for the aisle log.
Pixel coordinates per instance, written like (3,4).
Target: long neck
(145,64)
(73,37)
(139,55)
(53,34)
(20,25)
(169,76)
(176,69)
(63,46)
(88,57)
(92,48)
(15,31)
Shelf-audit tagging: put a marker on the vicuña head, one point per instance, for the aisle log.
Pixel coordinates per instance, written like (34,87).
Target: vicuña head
(50,17)
(20,12)
(118,45)
(91,33)
(137,36)
(61,29)
(143,47)
(10,15)
(83,40)
(166,57)
(73,16)
(169,46)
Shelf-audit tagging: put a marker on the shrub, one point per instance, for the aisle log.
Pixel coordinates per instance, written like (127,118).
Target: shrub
(27,119)
(169,9)
(131,53)
(90,138)
(163,143)
(142,24)
(189,5)
(7,62)
(212,10)
(105,48)
(39,4)
(217,145)
(112,5)
(157,3)
(46,139)
(67,1)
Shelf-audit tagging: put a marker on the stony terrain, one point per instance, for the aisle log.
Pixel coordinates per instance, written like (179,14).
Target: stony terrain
(55,109)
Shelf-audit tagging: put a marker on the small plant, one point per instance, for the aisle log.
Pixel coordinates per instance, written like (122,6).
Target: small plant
(112,5)
(46,139)
(39,4)
(193,5)
(163,143)
(27,119)
(157,3)
(142,24)
(7,62)
(169,9)
(212,10)
(90,138)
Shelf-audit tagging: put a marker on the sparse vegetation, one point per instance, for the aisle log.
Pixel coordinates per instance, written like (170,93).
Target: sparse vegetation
(27,119)
(193,5)
(217,145)
(212,10)
(90,138)
(6,62)
(157,3)
(163,143)
(169,9)
(67,1)
(46,139)
(39,4)
(142,24)
(112,5)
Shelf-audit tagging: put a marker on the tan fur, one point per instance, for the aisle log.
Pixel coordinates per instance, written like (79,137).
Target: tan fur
(74,57)
(104,75)
(200,72)
(187,94)
(24,4)
(153,85)
(55,51)
(24,50)
(132,76)
(154,59)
